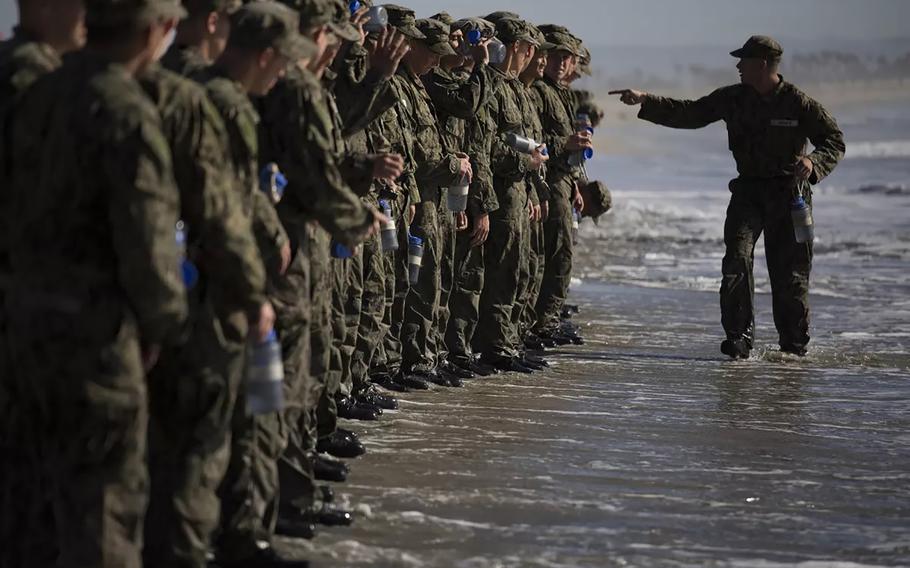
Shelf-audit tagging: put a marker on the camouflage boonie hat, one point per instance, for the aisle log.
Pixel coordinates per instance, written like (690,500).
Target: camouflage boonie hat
(542,43)
(584,61)
(341,24)
(332,13)
(759,47)
(206,6)
(561,38)
(602,199)
(469,24)
(511,30)
(496,16)
(443,17)
(403,20)
(264,24)
(436,36)
(120,12)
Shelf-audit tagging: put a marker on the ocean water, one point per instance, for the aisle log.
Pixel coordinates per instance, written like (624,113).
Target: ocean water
(646,447)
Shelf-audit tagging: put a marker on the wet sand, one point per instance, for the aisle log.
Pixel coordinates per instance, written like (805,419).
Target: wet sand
(644,447)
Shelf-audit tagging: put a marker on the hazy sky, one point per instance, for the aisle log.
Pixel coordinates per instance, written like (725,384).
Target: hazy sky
(679,22)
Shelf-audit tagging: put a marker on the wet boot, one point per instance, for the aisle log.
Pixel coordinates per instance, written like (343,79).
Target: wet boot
(341,444)
(735,348)
(326,469)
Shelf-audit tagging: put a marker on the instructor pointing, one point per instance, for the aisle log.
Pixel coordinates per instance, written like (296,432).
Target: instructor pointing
(769,122)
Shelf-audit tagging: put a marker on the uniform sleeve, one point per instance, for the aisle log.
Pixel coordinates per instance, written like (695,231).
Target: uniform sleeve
(554,134)
(316,189)
(827,139)
(228,247)
(505,162)
(686,114)
(142,211)
(461,99)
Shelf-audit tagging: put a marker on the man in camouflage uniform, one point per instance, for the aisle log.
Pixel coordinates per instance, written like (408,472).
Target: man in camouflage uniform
(302,135)
(769,123)
(540,196)
(201,36)
(94,292)
(363,94)
(263,41)
(46,31)
(557,118)
(464,302)
(434,168)
(193,389)
(458,94)
(505,254)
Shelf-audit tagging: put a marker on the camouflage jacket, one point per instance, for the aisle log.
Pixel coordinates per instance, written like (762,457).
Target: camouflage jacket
(22,61)
(301,133)
(220,235)
(241,121)
(462,102)
(434,167)
(94,205)
(510,167)
(184,60)
(766,134)
(558,121)
(530,102)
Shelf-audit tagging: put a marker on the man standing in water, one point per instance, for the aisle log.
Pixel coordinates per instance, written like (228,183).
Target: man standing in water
(769,122)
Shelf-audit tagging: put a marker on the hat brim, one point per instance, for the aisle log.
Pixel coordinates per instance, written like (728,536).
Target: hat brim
(410,31)
(296,48)
(441,48)
(743,53)
(546,46)
(345,31)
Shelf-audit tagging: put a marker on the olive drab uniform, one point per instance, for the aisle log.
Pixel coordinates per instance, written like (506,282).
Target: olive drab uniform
(767,134)
(457,98)
(558,124)
(434,169)
(539,192)
(22,61)
(367,279)
(92,212)
(464,303)
(252,478)
(193,388)
(496,335)
(298,134)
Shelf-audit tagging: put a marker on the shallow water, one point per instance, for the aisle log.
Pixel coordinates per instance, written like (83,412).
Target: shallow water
(642,448)
(645,447)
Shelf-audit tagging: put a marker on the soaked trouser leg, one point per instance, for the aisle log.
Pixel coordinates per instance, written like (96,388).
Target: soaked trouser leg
(495,335)
(523,289)
(320,334)
(464,303)
(370,329)
(353,306)
(192,393)
(789,265)
(554,287)
(89,427)
(395,315)
(536,268)
(418,333)
(446,280)
(737,289)
(327,411)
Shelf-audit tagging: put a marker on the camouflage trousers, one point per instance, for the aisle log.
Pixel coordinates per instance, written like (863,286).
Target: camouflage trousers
(370,328)
(536,267)
(758,206)
(447,234)
(79,439)
(496,335)
(260,444)
(397,286)
(558,249)
(525,282)
(418,334)
(464,301)
(192,394)
(346,291)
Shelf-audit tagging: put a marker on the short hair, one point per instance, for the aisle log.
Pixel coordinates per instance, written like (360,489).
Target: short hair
(773,61)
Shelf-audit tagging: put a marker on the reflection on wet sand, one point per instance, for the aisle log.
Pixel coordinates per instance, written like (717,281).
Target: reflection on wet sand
(642,448)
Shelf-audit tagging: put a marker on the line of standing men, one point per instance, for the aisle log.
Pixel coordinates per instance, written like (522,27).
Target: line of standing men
(125,421)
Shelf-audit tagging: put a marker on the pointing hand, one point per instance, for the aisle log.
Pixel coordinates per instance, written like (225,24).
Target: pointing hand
(630,97)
